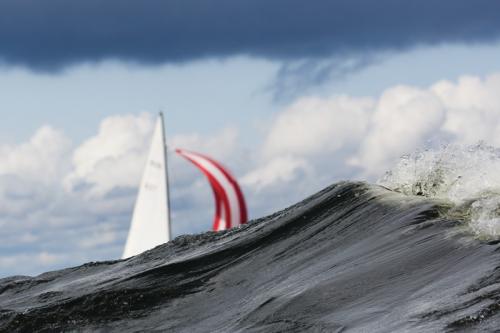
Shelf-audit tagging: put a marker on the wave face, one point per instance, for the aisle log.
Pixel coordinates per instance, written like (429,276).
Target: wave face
(354,257)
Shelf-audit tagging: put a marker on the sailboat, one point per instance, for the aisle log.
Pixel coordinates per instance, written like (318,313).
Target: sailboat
(150,224)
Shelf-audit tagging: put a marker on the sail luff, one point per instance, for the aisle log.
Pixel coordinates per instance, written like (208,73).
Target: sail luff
(169,227)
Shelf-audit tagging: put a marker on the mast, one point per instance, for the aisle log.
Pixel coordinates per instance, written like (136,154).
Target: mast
(169,228)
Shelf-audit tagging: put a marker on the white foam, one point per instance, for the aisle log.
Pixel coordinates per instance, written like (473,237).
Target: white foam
(467,176)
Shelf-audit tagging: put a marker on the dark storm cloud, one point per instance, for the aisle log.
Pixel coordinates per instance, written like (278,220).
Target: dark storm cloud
(48,34)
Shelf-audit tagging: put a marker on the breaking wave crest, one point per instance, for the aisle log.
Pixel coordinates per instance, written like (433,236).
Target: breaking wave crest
(468,177)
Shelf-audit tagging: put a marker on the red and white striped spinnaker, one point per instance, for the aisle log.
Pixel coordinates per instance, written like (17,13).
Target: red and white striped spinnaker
(230,207)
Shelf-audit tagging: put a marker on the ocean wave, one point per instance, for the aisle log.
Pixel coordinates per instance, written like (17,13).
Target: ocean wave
(354,257)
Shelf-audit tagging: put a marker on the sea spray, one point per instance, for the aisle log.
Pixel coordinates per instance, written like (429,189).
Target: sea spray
(466,176)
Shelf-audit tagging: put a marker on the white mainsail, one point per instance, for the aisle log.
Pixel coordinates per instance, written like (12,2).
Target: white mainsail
(151,219)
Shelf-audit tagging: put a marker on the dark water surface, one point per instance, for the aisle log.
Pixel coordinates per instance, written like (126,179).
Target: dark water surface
(354,257)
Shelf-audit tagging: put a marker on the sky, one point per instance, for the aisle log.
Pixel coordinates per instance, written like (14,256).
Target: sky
(290,95)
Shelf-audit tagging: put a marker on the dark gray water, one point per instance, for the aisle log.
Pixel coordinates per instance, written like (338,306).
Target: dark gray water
(354,257)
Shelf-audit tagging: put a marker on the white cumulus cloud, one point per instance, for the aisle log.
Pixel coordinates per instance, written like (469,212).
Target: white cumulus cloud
(472,108)
(42,159)
(403,118)
(314,125)
(278,169)
(110,159)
